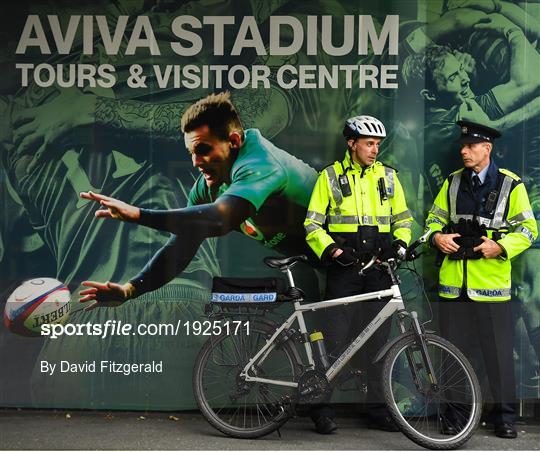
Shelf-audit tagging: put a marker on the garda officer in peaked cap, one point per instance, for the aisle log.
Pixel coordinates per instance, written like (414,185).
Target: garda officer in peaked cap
(480,220)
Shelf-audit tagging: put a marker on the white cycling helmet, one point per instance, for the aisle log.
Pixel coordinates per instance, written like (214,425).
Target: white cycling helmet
(367,126)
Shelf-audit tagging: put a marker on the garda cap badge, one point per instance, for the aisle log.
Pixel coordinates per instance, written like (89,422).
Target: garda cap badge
(473,132)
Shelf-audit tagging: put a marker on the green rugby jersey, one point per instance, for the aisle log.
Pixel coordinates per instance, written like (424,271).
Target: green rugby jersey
(277,184)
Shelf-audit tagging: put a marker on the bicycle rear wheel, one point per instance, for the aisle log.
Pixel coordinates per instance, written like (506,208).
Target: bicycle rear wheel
(236,407)
(442,417)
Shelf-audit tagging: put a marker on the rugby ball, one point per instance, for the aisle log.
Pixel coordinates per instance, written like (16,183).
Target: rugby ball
(34,303)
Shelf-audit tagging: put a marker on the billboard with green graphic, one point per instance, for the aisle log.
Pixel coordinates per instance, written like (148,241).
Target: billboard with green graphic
(91,98)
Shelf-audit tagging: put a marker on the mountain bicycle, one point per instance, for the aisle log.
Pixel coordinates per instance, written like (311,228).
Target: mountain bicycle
(247,381)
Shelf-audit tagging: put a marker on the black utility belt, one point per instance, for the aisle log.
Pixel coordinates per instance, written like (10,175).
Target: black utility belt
(365,239)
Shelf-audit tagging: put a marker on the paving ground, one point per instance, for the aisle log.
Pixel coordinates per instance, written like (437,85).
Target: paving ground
(63,430)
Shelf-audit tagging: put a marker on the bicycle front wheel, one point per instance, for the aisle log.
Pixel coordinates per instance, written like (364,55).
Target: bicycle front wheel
(234,406)
(442,416)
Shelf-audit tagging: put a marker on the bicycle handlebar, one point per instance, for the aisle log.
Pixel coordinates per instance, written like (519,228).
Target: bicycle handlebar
(368,265)
(409,255)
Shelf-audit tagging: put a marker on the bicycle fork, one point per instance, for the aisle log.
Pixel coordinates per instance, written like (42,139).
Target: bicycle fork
(427,364)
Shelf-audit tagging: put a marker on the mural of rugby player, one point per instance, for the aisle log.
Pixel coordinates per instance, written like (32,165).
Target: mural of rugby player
(68,140)
(58,142)
(448,95)
(48,191)
(246,184)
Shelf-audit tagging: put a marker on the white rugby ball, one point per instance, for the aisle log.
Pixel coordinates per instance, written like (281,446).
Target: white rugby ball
(34,303)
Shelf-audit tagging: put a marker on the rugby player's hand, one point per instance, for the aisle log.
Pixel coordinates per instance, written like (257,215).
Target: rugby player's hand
(37,130)
(482,5)
(454,21)
(105,295)
(113,208)
(469,110)
(497,23)
(467,61)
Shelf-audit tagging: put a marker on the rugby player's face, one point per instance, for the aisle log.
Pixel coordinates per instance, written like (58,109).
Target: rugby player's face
(476,156)
(210,155)
(453,82)
(364,150)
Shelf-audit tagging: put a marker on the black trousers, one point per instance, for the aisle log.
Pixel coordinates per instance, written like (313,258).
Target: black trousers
(489,326)
(344,323)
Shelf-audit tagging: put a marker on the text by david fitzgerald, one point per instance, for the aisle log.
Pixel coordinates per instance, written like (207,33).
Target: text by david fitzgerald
(92,367)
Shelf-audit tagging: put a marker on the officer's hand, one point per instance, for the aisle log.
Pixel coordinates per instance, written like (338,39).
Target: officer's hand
(445,242)
(489,249)
(105,295)
(346,258)
(397,250)
(400,248)
(114,208)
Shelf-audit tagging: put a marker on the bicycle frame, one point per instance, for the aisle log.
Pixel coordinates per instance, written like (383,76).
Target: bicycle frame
(395,304)
(236,398)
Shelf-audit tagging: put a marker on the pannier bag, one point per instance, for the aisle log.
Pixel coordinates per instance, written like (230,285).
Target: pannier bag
(248,291)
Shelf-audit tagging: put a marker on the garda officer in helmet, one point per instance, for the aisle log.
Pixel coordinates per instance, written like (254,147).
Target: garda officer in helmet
(357,208)
(480,220)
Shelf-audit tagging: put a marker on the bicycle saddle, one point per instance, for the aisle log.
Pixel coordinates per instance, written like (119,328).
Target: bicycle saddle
(285,263)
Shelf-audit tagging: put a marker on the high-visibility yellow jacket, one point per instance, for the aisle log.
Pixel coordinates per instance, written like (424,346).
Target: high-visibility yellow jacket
(487,280)
(331,212)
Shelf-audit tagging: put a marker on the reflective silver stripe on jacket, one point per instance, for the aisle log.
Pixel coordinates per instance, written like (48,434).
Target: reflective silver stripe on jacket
(488,293)
(452,196)
(389,172)
(435,210)
(435,221)
(502,201)
(316,216)
(334,187)
(404,225)
(523,230)
(353,219)
(347,219)
(405,215)
(516,219)
(449,290)
(310,227)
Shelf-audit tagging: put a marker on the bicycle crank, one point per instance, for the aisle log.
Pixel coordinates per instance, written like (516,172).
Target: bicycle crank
(313,386)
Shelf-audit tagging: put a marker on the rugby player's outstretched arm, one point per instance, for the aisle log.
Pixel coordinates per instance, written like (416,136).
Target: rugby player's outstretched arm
(213,219)
(189,226)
